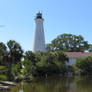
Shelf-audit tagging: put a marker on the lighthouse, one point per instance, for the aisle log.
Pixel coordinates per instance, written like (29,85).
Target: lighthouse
(39,38)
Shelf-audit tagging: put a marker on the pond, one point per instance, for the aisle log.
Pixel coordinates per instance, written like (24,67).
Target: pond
(55,84)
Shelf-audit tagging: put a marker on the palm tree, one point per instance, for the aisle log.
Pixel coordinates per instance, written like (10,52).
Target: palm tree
(3,52)
(15,54)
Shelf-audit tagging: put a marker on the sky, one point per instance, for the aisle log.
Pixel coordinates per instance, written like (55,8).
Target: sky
(60,16)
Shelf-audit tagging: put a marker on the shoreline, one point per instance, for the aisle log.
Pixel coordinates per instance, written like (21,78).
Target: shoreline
(5,85)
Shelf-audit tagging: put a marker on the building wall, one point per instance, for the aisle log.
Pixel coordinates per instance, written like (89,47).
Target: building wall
(71,61)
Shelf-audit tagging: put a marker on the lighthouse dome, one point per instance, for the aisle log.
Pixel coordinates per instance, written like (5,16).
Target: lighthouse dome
(39,15)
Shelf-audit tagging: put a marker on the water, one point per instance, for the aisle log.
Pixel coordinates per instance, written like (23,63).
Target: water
(56,84)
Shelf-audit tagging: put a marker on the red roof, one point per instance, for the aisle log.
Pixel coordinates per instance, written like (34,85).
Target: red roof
(78,54)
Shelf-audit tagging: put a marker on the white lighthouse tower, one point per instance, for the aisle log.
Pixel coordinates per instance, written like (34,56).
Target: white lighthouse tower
(39,39)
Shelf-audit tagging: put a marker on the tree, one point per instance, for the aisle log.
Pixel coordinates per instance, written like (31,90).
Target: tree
(61,56)
(28,68)
(3,54)
(49,47)
(51,63)
(60,60)
(90,47)
(15,54)
(69,43)
(46,64)
(29,63)
(84,65)
(29,55)
(41,63)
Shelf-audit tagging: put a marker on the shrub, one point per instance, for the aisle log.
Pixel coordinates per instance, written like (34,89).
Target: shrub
(16,70)
(3,77)
(3,69)
(84,65)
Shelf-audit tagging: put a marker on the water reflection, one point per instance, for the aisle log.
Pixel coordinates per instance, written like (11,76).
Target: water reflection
(22,84)
(56,84)
(21,90)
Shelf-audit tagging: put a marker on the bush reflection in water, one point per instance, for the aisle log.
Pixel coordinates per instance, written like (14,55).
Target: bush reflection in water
(56,84)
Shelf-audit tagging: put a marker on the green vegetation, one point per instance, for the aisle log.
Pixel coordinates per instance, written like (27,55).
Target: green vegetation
(84,65)
(10,55)
(69,43)
(44,63)
(3,73)
(14,64)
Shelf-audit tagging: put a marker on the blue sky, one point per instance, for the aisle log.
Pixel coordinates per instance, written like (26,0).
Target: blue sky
(61,16)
